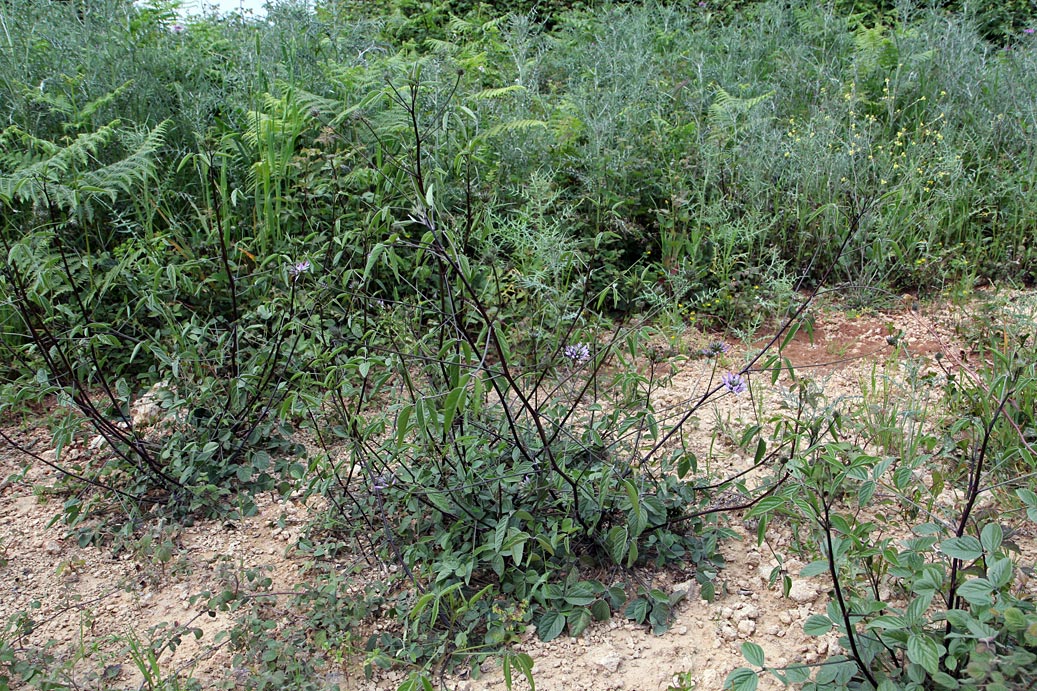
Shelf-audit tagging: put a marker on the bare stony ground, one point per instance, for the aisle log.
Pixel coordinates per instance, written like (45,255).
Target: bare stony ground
(90,602)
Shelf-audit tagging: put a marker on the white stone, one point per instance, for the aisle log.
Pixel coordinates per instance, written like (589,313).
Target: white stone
(802,592)
(688,589)
(610,661)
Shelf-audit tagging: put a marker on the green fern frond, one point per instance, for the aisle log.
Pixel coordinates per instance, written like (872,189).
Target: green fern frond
(495,22)
(489,94)
(457,25)
(441,47)
(86,113)
(312,103)
(19,148)
(725,108)
(57,104)
(133,170)
(43,178)
(69,178)
(514,126)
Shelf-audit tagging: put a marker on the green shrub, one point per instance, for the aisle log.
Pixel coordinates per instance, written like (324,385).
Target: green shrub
(938,607)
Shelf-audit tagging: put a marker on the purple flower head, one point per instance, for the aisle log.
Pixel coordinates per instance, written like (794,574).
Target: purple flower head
(1028,31)
(178,28)
(578,353)
(298,269)
(714,349)
(383,482)
(733,383)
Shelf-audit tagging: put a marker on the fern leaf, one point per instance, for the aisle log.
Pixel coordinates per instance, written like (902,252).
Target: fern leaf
(489,94)
(514,126)
(86,114)
(43,179)
(134,169)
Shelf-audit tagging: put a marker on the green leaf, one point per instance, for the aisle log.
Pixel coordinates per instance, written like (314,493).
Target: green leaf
(417,681)
(918,607)
(866,492)
(600,610)
(797,673)
(522,662)
(769,364)
(999,572)
(959,619)
(826,676)
(888,621)
(551,624)
(923,651)
(742,679)
(966,548)
(977,591)
(817,625)
(637,610)
(372,259)
(655,510)
(1015,620)
(1028,497)
(659,618)
(496,92)
(632,554)
(513,125)
(926,528)
(500,533)
(992,537)
(946,681)
(517,547)
(814,568)
(638,519)
(454,400)
(753,654)
(616,543)
(578,621)
(687,463)
(761,449)
(767,505)
(440,501)
(581,594)
(982,631)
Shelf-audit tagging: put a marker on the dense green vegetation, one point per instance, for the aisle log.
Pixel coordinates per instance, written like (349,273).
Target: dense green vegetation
(446,245)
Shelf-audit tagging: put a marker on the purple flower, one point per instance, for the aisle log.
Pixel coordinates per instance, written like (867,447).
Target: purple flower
(1028,31)
(178,28)
(383,482)
(298,269)
(733,383)
(714,349)
(578,353)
